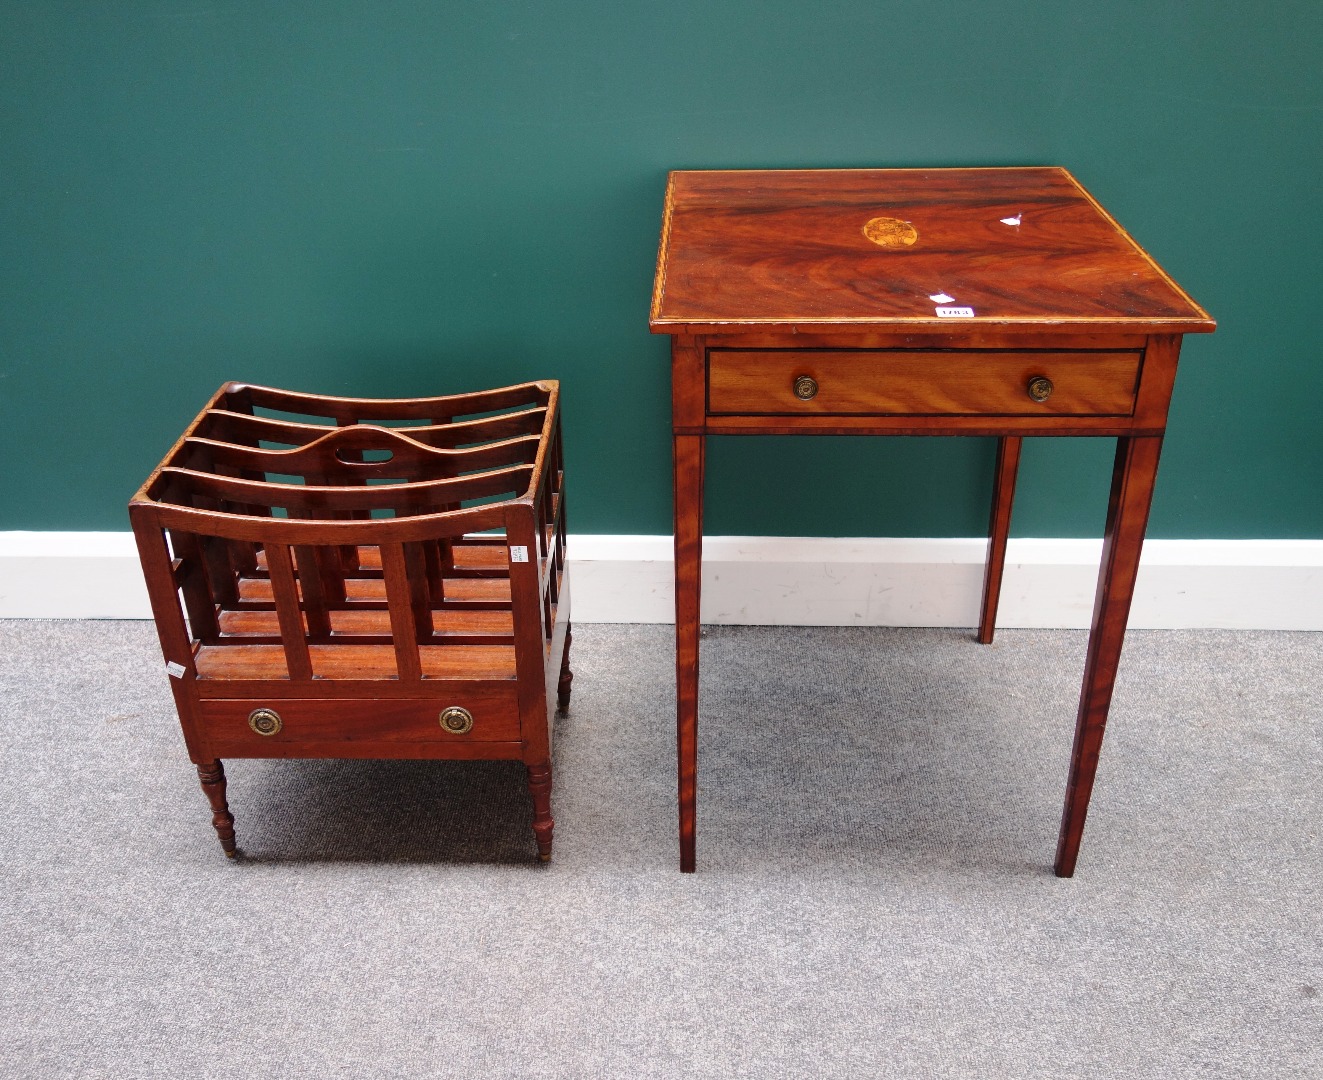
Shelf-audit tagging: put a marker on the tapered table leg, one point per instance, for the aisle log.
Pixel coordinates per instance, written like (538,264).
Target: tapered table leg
(1127,517)
(689,459)
(999,528)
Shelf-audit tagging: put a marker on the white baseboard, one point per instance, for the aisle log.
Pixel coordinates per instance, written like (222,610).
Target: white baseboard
(71,575)
(806,581)
(815,581)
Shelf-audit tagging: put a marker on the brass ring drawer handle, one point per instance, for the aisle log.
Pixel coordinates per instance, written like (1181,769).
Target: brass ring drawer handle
(1040,388)
(805,387)
(457,721)
(265,721)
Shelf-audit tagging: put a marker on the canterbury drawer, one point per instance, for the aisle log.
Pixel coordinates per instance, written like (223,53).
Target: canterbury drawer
(921,383)
(261,727)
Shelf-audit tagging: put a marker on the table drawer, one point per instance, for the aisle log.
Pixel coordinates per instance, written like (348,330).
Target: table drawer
(911,382)
(229,725)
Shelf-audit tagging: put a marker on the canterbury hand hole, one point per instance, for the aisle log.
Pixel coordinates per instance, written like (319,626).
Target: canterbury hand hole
(364,457)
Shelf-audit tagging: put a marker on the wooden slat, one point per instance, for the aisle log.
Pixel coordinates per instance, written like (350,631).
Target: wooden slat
(341,531)
(309,501)
(243,556)
(360,409)
(215,553)
(286,594)
(373,628)
(446,640)
(245,430)
(419,594)
(493,590)
(192,578)
(331,566)
(399,598)
(372,591)
(444,621)
(475,560)
(436,554)
(312,588)
(354,662)
(329,456)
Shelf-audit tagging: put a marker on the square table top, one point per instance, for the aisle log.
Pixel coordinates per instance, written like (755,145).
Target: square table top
(1024,249)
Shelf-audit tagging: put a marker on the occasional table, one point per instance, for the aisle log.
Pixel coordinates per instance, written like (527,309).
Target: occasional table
(991,302)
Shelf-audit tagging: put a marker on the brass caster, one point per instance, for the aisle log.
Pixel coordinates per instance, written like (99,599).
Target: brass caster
(544,857)
(230,854)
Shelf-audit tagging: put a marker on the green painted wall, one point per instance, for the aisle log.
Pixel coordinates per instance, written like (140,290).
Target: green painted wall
(397,197)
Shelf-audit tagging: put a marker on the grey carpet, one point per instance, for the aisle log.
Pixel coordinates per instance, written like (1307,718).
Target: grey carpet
(878,814)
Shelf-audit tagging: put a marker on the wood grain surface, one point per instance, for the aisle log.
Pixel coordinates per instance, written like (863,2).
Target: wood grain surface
(921,383)
(747,249)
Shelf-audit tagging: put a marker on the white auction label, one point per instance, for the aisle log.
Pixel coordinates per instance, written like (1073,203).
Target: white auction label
(518,553)
(954,312)
(176,670)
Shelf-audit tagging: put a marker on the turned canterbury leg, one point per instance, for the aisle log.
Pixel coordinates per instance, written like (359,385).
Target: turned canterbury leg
(1127,516)
(689,452)
(212,776)
(539,786)
(999,528)
(566,675)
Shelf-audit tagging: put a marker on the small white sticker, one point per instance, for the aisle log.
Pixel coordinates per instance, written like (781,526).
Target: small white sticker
(1011,220)
(954,312)
(518,553)
(941,298)
(176,670)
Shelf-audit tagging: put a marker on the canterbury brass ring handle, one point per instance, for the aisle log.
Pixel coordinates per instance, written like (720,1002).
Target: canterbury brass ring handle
(806,387)
(265,721)
(456,720)
(1040,388)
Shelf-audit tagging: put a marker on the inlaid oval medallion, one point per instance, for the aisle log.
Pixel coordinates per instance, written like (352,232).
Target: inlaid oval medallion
(890,232)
